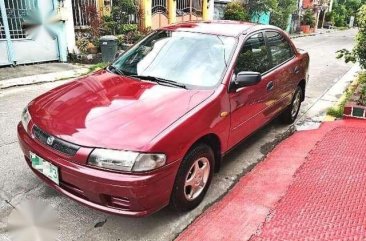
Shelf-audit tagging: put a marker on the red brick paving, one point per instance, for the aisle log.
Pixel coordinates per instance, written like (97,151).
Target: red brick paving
(312,186)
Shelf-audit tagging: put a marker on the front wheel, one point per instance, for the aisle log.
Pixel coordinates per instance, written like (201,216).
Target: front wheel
(291,112)
(193,178)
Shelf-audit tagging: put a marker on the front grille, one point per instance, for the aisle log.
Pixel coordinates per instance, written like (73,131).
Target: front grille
(57,144)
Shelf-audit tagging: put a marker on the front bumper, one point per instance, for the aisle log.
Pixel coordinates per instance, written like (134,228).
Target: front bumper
(117,193)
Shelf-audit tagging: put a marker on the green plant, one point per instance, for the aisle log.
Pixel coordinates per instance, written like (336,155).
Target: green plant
(362,82)
(119,21)
(362,78)
(82,44)
(340,13)
(236,11)
(281,13)
(359,51)
(97,66)
(125,28)
(308,18)
(329,17)
(362,99)
(132,37)
(337,111)
(94,20)
(256,7)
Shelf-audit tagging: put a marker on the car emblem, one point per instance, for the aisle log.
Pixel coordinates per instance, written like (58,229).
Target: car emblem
(50,140)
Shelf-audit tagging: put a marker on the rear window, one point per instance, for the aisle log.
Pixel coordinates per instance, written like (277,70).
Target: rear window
(280,48)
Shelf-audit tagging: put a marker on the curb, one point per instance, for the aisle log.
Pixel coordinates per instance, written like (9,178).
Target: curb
(353,83)
(303,35)
(327,99)
(311,34)
(42,78)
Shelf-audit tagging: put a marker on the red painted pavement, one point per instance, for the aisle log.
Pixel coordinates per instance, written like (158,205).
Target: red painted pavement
(312,186)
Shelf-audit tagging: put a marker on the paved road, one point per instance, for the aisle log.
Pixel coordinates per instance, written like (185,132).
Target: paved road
(17,182)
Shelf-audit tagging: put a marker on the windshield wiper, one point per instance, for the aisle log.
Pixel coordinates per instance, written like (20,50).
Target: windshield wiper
(114,69)
(160,80)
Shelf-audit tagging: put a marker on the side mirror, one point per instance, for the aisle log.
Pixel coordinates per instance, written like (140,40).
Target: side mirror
(245,78)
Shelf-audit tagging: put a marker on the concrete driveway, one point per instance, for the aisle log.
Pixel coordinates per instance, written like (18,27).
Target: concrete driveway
(18,183)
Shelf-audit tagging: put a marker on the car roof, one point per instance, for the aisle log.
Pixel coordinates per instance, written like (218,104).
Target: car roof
(218,27)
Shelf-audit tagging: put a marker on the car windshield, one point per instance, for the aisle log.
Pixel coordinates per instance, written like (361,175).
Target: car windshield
(190,59)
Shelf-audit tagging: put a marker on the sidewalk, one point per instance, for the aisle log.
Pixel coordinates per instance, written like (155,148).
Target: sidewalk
(310,187)
(318,31)
(37,73)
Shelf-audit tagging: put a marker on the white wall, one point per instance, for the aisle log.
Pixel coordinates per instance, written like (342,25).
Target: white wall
(69,26)
(211,9)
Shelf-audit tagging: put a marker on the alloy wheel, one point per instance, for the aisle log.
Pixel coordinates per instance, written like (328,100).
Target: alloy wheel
(296,104)
(197,178)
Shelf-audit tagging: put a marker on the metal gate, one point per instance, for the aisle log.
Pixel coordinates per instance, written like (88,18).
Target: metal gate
(159,13)
(28,32)
(189,10)
(80,8)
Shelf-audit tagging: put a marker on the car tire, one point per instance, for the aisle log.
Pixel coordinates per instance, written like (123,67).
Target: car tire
(290,114)
(193,178)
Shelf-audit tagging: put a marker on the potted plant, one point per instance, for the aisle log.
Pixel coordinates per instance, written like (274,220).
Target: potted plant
(308,21)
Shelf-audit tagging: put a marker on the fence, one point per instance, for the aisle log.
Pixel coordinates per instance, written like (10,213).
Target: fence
(16,12)
(83,9)
(80,12)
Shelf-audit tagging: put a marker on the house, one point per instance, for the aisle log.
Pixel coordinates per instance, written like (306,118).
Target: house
(320,8)
(44,30)
(35,31)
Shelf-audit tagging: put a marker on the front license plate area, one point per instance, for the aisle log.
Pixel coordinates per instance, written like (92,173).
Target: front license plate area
(45,167)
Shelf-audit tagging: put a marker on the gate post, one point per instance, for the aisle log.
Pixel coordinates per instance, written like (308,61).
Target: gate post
(104,7)
(172,11)
(9,45)
(205,12)
(146,13)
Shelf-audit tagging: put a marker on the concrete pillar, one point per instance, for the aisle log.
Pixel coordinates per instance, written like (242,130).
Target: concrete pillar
(211,9)
(146,13)
(317,19)
(172,11)
(205,12)
(10,50)
(69,27)
(325,11)
(330,6)
(104,7)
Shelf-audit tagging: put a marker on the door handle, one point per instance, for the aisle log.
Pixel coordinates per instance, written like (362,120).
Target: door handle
(270,86)
(297,70)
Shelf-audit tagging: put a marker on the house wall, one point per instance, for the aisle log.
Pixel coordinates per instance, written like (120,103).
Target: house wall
(308,3)
(34,31)
(69,27)
(262,18)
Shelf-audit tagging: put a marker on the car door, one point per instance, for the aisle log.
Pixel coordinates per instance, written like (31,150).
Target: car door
(249,104)
(285,72)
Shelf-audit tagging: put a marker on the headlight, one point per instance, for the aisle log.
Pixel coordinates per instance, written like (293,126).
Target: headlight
(25,118)
(126,160)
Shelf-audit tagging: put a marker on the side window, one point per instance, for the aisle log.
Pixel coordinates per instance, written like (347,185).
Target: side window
(280,48)
(254,55)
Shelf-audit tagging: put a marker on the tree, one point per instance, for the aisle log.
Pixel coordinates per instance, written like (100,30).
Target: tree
(256,7)
(236,11)
(308,18)
(118,22)
(359,51)
(281,13)
(344,9)
(340,13)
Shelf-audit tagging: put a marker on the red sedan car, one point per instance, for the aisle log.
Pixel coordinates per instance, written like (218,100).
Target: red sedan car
(151,128)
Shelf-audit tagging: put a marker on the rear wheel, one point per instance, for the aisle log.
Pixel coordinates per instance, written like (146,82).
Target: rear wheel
(193,178)
(290,114)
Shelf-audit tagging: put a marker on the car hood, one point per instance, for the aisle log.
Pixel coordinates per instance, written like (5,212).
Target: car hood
(111,111)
